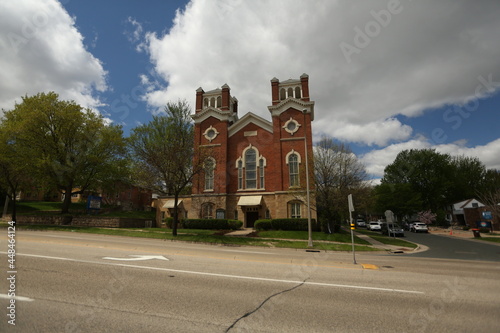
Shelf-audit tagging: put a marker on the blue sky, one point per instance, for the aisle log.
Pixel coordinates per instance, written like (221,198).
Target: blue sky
(385,75)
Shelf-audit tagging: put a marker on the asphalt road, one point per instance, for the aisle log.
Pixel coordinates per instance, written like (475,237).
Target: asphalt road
(448,247)
(68,282)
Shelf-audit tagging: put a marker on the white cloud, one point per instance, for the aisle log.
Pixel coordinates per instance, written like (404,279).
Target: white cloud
(41,51)
(409,57)
(377,160)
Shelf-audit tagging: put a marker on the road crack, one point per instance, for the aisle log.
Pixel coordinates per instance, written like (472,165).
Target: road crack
(262,304)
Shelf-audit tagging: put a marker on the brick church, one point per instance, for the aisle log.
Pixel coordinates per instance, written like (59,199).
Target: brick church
(256,168)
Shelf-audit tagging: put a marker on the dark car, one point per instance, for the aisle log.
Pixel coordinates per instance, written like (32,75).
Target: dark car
(392,229)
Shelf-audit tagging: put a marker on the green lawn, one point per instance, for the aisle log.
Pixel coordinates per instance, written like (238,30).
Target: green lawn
(217,237)
(491,239)
(341,237)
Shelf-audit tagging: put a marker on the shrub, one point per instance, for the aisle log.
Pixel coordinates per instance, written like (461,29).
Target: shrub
(263,225)
(465,227)
(484,230)
(217,224)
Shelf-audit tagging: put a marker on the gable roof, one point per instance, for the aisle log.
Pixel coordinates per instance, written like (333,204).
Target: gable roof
(247,119)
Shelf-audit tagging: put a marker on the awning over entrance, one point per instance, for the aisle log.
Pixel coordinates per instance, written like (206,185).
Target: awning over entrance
(251,200)
(170,204)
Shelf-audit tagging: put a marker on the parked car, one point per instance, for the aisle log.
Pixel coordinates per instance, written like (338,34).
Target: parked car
(361,223)
(419,227)
(392,229)
(373,226)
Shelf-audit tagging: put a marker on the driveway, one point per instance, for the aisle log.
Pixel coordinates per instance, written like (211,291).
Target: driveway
(457,246)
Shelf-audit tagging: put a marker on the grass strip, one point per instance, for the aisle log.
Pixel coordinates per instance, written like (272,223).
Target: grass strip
(206,236)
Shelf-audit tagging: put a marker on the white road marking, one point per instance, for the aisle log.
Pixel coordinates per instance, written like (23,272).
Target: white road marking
(17,298)
(226,275)
(137,258)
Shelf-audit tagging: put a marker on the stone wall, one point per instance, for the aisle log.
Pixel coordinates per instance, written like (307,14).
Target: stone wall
(83,221)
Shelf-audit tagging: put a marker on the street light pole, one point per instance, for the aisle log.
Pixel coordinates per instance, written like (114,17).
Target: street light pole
(309,224)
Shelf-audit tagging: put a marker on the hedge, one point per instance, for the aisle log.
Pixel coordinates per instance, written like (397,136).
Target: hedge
(286,224)
(217,224)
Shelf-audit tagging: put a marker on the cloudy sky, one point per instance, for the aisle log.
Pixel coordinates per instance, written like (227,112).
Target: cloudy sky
(385,75)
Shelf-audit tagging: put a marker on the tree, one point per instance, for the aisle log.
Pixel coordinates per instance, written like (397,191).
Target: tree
(401,199)
(163,153)
(469,178)
(14,171)
(338,173)
(65,146)
(429,173)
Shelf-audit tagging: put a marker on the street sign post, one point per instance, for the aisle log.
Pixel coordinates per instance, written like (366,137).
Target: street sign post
(351,209)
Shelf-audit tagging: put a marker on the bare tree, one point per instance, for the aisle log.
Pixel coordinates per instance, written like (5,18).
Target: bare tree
(338,173)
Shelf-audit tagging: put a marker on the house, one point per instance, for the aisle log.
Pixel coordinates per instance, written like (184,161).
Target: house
(459,208)
(256,168)
(473,213)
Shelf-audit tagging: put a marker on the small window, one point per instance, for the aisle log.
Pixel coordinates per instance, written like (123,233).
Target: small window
(207,210)
(290,92)
(220,214)
(219,101)
(268,214)
(209,173)
(261,173)
(240,174)
(205,102)
(212,101)
(295,210)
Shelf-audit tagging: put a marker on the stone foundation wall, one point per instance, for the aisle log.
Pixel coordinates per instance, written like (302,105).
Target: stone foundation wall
(83,221)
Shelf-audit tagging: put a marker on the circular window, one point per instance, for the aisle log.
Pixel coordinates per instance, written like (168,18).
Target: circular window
(210,133)
(291,126)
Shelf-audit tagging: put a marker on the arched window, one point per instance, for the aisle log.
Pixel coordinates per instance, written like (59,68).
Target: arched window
(251,168)
(282,94)
(205,102)
(290,92)
(293,169)
(297,92)
(294,208)
(209,174)
(219,102)
(207,210)
(212,101)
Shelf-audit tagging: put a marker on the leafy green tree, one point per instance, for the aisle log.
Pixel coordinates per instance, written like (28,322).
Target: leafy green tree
(401,199)
(468,178)
(428,172)
(162,152)
(65,145)
(14,171)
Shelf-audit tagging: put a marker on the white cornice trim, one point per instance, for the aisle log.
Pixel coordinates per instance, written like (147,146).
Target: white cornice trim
(291,102)
(214,112)
(247,119)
